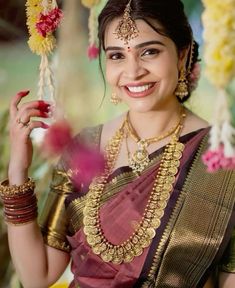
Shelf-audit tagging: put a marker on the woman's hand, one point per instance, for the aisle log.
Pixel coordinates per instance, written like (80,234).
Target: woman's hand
(21,125)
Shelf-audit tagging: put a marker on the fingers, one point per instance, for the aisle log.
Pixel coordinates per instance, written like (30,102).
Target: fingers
(25,115)
(40,105)
(21,116)
(16,100)
(25,130)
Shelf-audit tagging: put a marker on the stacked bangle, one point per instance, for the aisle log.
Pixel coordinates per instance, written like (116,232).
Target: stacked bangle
(20,202)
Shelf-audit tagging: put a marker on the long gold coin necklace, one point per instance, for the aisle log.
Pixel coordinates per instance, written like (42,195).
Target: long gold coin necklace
(151,219)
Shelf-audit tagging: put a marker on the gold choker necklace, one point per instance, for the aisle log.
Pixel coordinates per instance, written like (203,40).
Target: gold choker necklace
(151,219)
(139,160)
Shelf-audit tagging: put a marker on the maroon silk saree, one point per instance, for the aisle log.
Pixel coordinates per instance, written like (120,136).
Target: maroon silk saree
(189,244)
(194,231)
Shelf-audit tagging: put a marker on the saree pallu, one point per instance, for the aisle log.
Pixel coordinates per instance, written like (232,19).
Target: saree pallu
(194,231)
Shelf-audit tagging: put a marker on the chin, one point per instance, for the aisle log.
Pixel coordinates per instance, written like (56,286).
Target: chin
(142,108)
(144,105)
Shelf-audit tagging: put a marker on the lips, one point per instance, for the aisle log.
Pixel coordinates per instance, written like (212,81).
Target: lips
(140,90)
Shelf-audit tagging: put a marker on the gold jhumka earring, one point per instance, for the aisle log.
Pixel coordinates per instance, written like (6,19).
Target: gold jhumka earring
(127,29)
(115,99)
(182,89)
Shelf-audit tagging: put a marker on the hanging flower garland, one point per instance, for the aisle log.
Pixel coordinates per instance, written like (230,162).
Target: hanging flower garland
(43,17)
(219,35)
(93,50)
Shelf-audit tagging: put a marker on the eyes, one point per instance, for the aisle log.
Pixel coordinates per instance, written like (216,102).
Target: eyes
(146,53)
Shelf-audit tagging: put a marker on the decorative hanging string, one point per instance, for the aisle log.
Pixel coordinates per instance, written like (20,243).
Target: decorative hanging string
(93,50)
(43,18)
(219,35)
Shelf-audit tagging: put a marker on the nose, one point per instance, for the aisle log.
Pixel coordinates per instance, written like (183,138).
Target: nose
(134,69)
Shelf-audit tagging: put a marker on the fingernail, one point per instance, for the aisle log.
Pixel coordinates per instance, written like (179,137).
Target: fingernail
(44,114)
(23,93)
(43,106)
(45,126)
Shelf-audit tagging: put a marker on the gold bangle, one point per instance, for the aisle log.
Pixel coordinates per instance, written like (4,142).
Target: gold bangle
(16,190)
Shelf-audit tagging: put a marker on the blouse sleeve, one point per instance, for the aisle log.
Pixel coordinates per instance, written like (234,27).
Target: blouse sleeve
(228,260)
(53,219)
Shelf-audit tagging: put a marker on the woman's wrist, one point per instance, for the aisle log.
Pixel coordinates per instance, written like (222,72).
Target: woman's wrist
(17,176)
(19,202)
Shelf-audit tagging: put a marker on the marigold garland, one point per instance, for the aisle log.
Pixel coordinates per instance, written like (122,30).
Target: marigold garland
(219,35)
(37,43)
(43,17)
(93,50)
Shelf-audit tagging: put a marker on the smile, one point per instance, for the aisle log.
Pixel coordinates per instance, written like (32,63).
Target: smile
(141,90)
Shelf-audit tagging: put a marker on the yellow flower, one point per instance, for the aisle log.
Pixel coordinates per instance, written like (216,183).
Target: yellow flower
(219,35)
(41,45)
(90,3)
(37,43)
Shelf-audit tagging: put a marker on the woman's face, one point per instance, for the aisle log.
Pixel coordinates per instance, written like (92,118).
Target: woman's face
(144,73)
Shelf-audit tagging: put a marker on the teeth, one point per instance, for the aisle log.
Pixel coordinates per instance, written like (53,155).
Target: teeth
(139,89)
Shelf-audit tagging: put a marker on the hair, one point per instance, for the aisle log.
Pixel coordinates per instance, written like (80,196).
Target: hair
(169,14)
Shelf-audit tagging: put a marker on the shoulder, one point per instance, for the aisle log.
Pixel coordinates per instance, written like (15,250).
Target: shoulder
(101,133)
(193,123)
(109,128)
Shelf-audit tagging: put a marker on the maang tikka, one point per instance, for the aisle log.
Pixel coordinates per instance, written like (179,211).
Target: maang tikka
(127,29)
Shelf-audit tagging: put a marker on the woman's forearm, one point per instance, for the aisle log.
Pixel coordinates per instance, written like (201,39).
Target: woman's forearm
(37,265)
(226,280)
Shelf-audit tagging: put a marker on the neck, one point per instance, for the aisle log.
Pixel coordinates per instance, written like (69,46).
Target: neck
(154,123)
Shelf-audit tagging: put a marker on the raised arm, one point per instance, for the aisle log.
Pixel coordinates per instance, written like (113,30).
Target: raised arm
(37,264)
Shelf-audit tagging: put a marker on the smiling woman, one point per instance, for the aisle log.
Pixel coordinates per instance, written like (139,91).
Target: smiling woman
(153,217)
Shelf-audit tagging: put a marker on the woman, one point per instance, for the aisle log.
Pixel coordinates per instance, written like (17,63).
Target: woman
(154,218)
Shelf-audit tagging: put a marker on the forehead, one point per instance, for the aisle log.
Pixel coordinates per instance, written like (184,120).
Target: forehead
(146,33)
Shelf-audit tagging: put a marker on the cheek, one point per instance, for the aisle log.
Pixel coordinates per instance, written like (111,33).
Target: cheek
(111,75)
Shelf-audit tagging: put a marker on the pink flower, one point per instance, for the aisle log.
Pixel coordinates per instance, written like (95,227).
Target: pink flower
(86,163)
(49,22)
(92,52)
(215,160)
(57,137)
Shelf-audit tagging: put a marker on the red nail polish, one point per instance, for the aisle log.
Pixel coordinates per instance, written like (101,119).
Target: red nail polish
(45,126)
(43,114)
(23,93)
(43,106)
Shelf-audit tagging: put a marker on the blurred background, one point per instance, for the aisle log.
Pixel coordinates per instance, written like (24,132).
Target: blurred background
(19,71)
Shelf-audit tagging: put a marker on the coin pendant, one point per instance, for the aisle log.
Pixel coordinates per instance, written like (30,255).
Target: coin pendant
(156,222)
(89,221)
(117,260)
(90,230)
(151,233)
(145,242)
(106,257)
(129,256)
(138,250)
(99,248)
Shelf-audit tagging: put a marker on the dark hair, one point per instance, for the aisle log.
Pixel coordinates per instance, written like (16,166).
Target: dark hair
(168,13)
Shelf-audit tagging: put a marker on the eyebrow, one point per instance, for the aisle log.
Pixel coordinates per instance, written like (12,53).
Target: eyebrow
(141,45)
